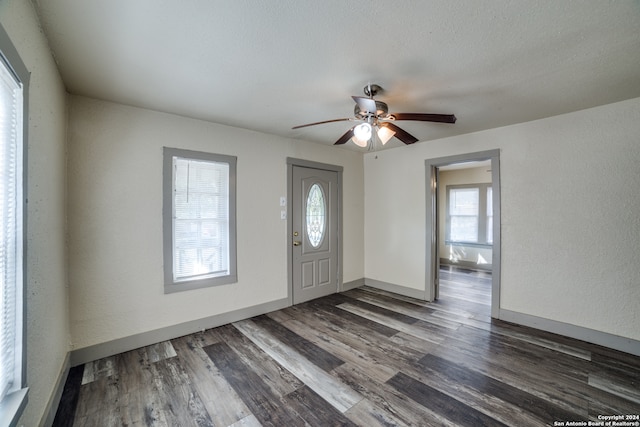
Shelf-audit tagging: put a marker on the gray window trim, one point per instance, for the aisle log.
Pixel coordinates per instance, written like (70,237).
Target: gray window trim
(482,215)
(13,405)
(167,227)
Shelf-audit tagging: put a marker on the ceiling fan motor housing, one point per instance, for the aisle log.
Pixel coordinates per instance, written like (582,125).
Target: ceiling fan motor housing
(381,111)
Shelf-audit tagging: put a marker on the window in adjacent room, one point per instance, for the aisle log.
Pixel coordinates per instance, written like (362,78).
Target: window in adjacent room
(13,94)
(199,219)
(470,214)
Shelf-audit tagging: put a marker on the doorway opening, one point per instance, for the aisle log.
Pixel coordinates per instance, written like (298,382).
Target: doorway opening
(463,223)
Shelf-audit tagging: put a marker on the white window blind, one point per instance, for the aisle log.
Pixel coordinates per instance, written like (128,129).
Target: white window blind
(463,210)
(11,231)
(200,219)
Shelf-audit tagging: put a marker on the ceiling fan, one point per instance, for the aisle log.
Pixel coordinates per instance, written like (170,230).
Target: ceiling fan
(376,120)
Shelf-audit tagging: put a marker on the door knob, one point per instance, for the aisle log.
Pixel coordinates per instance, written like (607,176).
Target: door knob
(296,243)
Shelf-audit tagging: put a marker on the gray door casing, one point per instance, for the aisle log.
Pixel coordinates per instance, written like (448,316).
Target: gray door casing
(432,260)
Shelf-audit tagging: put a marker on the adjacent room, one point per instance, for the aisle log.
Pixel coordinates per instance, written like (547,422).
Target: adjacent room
(341,213)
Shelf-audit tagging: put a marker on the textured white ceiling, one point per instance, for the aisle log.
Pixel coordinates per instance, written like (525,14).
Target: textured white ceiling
(270,65)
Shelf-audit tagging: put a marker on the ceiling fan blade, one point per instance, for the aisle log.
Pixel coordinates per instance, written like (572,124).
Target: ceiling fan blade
(426,117)
(366,104)
(401,134)
(346,137)
(323,122)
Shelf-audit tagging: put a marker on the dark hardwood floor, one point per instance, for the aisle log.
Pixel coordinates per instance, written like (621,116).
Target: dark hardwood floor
(364,357)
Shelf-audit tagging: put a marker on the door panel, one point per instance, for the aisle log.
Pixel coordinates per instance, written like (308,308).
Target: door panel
(324,272)
(307,274)
(315,226)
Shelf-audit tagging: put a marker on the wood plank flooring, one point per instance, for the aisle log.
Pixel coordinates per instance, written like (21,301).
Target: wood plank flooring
(361,358)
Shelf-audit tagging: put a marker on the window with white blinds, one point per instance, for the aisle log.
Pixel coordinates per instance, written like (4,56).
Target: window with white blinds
(202,219)
(463,214)
(470,214)
(11,231)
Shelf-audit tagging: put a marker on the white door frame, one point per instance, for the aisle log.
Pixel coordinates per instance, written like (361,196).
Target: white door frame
(291,162)
(432,262)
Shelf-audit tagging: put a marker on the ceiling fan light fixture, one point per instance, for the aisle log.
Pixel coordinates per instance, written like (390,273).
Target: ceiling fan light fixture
(385,134)
(360,142)
(362,132)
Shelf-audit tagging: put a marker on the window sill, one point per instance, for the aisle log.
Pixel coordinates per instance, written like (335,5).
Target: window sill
(12,407)
(469,244)
(189,285)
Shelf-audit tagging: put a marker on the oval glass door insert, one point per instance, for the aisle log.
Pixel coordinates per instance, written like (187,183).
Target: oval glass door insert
(316,218)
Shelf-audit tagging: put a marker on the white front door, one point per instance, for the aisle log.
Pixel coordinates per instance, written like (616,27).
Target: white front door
(315,233)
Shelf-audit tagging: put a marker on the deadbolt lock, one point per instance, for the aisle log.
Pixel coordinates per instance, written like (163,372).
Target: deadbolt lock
(295,233)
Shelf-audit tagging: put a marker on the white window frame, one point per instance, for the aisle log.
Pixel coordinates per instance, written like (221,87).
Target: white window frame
(13,403)
(483,215)
(171,284)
